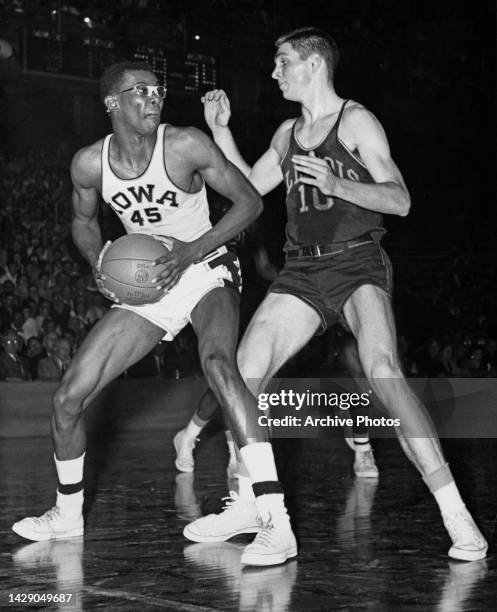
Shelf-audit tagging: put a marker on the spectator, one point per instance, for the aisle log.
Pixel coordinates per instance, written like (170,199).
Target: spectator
(8,308)
(13,367)
(29,326)
(61,310)
(49,340)
(34,352)
(52,368)
(45,312)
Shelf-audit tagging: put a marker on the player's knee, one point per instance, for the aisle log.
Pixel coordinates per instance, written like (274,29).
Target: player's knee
(218,369)
(242,361)
(383,365)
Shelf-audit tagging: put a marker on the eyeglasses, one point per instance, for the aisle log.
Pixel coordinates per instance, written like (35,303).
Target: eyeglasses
(146,91)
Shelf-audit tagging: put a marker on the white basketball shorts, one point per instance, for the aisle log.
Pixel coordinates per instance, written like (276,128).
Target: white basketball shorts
(172,312)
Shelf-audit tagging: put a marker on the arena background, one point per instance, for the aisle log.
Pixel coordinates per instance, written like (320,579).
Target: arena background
(427,70)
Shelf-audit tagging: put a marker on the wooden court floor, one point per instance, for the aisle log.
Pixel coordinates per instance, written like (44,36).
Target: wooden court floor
(364,545)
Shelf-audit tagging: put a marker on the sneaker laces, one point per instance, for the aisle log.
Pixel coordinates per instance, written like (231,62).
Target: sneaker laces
(189,442)
(366,457)
(460,526)
(265,534)
(231,500)
(53,513)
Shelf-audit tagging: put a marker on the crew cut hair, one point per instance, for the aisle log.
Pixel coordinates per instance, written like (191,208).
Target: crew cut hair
(313,40)
(114,74)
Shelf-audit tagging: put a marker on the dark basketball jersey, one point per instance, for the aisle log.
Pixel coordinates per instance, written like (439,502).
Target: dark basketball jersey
(314,218)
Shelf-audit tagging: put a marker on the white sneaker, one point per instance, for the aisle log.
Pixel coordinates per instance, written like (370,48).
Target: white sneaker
(51,525)
(239,515)
(184,451)
(273,544)
(365,465)
(468,544)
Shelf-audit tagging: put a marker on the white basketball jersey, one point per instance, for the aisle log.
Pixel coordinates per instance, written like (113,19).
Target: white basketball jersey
(152,203)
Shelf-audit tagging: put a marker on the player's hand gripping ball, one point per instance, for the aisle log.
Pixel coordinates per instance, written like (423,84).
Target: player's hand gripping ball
(126,269)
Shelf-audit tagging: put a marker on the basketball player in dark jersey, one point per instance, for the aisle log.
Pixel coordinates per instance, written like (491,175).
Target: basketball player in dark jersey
(340,179)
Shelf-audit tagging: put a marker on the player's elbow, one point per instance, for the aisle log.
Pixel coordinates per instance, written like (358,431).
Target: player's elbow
(258,207)
(255,206)
(404,203)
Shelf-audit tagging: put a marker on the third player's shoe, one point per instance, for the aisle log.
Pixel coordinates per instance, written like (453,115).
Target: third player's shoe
(238,516)
(54,524)
(365,465)
(184,451)
(273,544)
(468,544)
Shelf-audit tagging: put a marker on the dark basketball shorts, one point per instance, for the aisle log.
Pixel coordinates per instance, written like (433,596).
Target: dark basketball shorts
(327,282)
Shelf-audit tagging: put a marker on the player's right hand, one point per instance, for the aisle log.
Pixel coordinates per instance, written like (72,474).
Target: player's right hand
(99,277)
(217,110)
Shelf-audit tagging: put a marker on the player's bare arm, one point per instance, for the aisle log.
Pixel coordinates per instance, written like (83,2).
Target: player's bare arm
(360,131)
(266,174)
(85,175)
(86,179)
(207,161)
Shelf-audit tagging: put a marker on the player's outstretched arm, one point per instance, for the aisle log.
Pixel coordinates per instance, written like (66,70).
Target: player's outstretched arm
(361,131)
(220,174)
(266,174)
(217,113)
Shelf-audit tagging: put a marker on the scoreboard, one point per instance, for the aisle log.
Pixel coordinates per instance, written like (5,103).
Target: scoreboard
(85,55)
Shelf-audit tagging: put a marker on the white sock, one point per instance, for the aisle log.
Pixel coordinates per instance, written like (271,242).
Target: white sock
(272,504)
(245,488)
(193,429)
(232,450)
(444,489)
(70,472)
(361,445)
(259,460)
(71,505)
(448,498)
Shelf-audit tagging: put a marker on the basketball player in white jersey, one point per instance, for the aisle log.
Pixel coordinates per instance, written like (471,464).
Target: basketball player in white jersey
(340,179)
(153,176)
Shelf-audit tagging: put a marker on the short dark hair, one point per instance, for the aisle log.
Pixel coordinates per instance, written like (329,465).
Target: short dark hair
(114,74)
(313,40)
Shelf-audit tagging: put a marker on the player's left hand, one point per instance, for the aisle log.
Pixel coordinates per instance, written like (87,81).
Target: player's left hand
(317,172)
(181,255)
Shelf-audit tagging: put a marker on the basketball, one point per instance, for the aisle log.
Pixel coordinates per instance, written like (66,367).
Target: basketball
(127,266)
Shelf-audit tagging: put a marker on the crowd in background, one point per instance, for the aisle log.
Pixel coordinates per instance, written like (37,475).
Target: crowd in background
(49,302)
